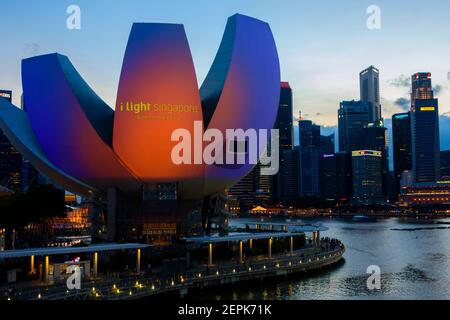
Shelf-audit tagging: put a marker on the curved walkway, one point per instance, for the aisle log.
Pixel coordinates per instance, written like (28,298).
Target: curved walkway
(145,286)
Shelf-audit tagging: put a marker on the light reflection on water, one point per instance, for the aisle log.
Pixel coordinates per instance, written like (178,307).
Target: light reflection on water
(414,257)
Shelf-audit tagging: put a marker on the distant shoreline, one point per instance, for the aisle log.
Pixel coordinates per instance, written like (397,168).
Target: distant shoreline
(346,215)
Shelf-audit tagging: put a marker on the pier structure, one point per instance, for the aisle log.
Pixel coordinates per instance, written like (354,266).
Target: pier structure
(264,231)
(314,253)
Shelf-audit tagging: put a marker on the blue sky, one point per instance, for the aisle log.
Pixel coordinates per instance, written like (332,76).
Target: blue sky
(322,44)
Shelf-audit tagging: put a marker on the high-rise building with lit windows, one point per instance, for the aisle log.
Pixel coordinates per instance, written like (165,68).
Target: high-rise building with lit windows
(328,184)
(353,116)
(376,138)
(284,121)
(283,181)
(289,176)
(310,149)
(421,87)
(369,82)
(10,158)
(402,149)
(344,177)
(367,180)
(327,167)
(425,129)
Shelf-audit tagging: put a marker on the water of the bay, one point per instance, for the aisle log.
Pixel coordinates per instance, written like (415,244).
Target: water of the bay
(413,255)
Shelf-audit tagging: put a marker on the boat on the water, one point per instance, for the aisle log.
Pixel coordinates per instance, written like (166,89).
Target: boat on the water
(361,219)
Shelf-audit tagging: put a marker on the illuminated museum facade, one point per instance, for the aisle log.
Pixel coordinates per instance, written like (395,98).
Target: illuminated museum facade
(123,157)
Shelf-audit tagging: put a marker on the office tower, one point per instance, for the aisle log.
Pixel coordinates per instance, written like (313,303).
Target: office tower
(284,121)
(344,176)
(289,176)
(263,187)
(376,139)
(328,189)
(392,187)
(272,185)
(369,82)
(375,136)
(244,191)
(31,176)
(309,158)
(445,163)
(425,129)
(422,88)
(326,149)
(353,116)
(327,144)
(284,124)
(367,182)
(401,136)
(10,158)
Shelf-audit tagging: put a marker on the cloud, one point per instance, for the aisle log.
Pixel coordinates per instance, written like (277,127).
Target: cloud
(403,103)
(402,81)
(32,49)
(438,89)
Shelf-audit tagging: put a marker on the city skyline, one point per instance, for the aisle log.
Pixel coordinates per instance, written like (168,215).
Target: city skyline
(322,47)
(231,150)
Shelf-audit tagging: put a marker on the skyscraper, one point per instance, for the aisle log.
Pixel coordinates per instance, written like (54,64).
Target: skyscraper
(244,191)
(326,169)
(289,177)
(425,129)
(401,135)
(376,139)
(284,121)
(367,182)
(310,148)
(327,144)
(328,183)
(353,116)
(421,87)
(344,176)
(270,185)
(369,82)
(263,186)
(10,158)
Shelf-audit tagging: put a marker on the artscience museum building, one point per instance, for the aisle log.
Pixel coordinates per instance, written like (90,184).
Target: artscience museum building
(122,158)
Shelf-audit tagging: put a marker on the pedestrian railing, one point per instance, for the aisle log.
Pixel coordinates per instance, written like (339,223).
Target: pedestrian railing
(139,286)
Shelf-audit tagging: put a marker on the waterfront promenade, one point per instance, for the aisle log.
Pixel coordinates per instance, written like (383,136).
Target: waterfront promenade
(141,286)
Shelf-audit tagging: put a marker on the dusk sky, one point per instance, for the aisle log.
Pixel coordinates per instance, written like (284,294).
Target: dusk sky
(323,45)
